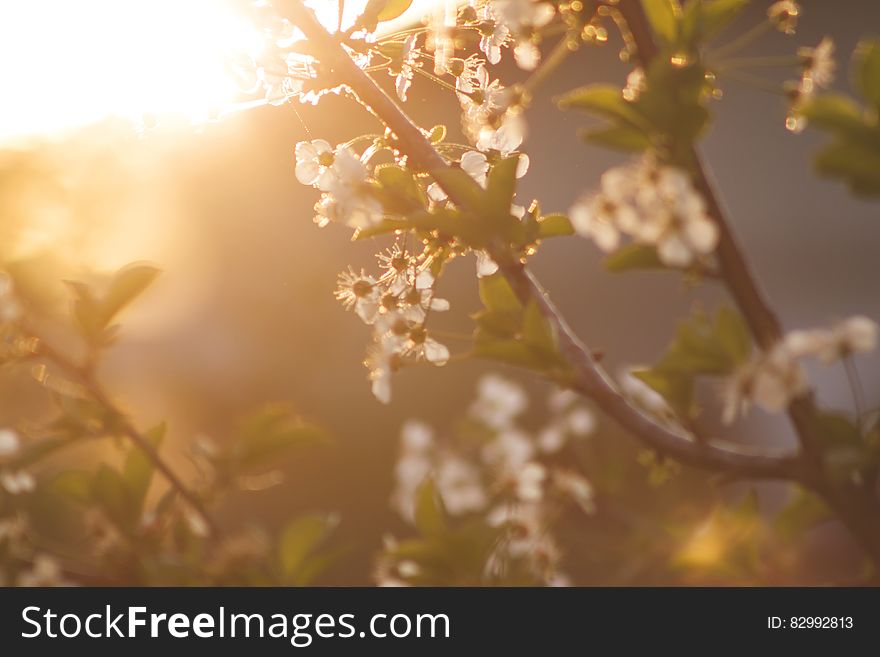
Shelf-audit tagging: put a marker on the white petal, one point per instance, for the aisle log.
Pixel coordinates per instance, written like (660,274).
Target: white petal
(605,235)
(307,171)
(382,389)
(424,280)
(305,150)
(522,165)
(475,165)
(439,305)
(436,193)
(674,252)
(485,265)
(527,55)
(367,309)
(435,352)
(703,235)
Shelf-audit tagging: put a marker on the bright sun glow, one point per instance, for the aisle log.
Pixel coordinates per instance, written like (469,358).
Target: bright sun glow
(66,64)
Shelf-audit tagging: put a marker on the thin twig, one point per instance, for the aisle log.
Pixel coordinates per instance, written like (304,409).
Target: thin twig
(97,393)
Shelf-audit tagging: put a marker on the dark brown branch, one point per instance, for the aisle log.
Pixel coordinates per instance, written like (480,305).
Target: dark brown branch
(855,504)
(589,379)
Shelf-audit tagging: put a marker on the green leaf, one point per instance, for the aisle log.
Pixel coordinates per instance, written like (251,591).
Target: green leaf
(538,334)
(138,468)
(35,451)
(624,138)
(86,311)
(496,294)
(270,434)
(733,334)
(126,286)
(604,100)
(673,99)
(705,19)
(400,191)
(110,491)
(804,512)
(836,429)
(511,352)
(377,11)
(662,14)
(838,114)
(430,515)
(499,323)
(93,314)
(74,484)
(300,538)
(554,225)
(868,58)
(675,387)
(437,134)
(705,347)
(697,349)
(633,257)
(501,185)
(384,227)
(462,189)
(857,163)
(391,9)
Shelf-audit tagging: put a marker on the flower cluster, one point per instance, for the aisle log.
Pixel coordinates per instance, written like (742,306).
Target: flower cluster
(818,67)
(783,14)
(774,378)
(342,177)
(504,23)
(397,304)
(43,570)
(653,204)
(489,117)
(503,473)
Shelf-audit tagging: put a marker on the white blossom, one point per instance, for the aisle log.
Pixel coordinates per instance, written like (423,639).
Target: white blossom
(17,482)
(10,443)
(771,380)
(854,335)
(10,309)
(529,482)
(656,205)
(498,402)
(419,299)
(819,67)
(359,292)
(575,487)
(784,14)
(510,449)
(313,162)
(45,571)
(485,265)
(493,34)
(505,139)
(460,485)
(524,19)
(409,56)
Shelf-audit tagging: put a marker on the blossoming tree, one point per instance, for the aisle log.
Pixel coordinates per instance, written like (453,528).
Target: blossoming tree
(489,505)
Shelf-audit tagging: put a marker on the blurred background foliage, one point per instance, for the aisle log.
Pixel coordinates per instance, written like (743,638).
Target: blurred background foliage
(243,314)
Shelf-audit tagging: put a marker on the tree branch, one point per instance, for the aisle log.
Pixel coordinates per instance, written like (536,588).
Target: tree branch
(97,393)
(589,379)
(856,504)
